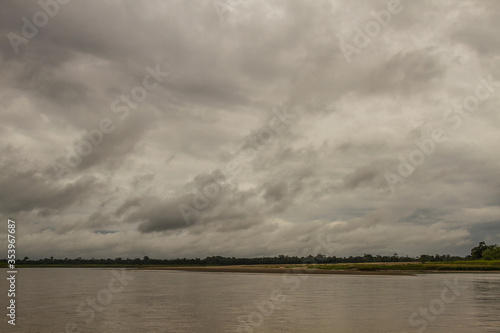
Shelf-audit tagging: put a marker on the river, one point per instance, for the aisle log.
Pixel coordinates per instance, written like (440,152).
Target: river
(60,300)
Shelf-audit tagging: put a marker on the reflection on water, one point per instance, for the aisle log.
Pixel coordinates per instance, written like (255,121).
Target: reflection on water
(166,301)
(487,300)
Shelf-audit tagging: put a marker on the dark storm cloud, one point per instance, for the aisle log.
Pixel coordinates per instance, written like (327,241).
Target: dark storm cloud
(24,188)
(407,72)
(479,31)
(158,215)
(119,144)
(363,176)
(229,210)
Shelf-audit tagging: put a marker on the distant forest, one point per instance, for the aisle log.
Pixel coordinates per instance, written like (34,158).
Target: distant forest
(480,252)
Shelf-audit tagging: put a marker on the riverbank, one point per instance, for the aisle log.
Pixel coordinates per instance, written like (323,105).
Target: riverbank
(380,268)
(296,269)
(410,268)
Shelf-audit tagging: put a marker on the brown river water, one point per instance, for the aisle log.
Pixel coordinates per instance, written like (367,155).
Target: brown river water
(58,300)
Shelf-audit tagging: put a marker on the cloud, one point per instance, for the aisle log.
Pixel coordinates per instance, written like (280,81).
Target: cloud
(320,174)
(24,188)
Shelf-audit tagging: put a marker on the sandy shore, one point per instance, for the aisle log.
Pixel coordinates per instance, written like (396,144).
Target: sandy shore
(274,269)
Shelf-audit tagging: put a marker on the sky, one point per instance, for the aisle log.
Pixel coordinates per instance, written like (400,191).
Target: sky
(249,128)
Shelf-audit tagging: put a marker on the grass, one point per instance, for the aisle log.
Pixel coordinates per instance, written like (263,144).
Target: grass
(476,265)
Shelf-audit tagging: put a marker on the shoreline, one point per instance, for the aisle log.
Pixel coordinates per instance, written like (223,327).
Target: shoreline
(279,270)
(272,269)
(375,268)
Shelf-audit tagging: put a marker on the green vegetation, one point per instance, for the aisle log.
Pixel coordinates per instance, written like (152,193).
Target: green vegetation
(218,261)
(475,265)
(483,257)
(487,252)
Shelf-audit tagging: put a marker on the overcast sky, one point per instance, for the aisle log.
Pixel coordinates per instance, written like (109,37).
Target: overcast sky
(247,128)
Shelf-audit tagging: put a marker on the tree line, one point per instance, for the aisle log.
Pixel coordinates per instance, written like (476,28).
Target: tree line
(482,251)
(486,252)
